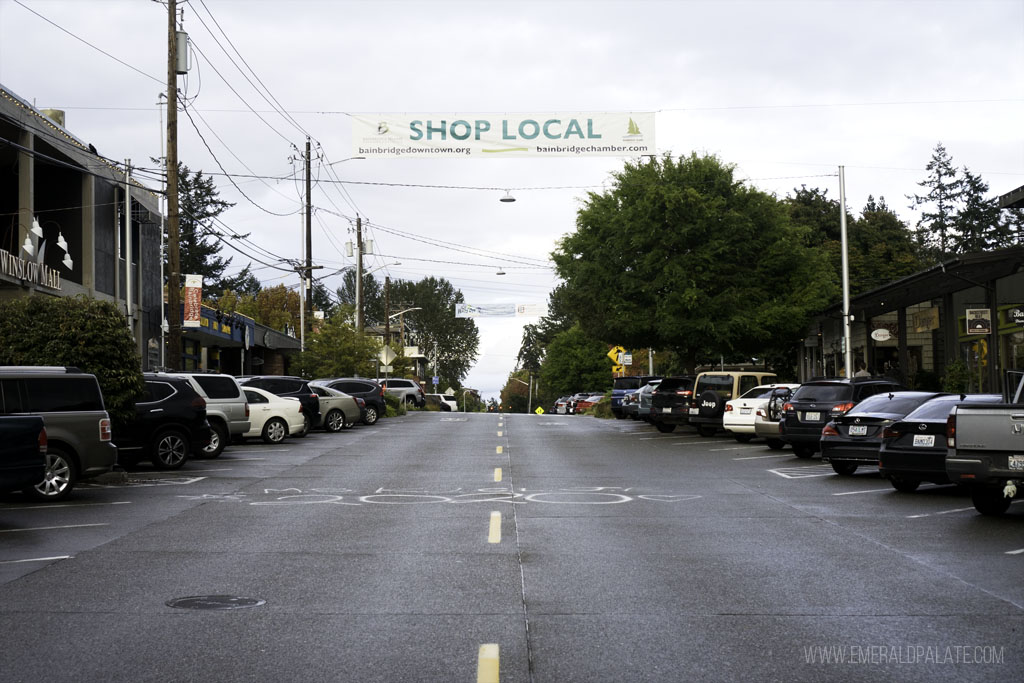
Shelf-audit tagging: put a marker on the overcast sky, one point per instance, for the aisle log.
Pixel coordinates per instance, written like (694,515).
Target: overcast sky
(785,91)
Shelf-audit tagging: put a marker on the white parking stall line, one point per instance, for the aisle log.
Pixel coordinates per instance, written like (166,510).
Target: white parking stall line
(222,469)
(1015,552)
(949,512)
(38,559)
(736,448)
(694,443)
(243,459)
(854,493)
(51,528)
(804,471)
(656,438)
(759,457)
(66,505)
(262,450)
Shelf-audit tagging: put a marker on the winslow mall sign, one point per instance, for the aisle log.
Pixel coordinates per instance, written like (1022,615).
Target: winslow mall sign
(31,271)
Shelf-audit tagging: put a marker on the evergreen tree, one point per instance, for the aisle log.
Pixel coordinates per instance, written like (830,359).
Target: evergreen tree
(199,241)
(936,229)
(979,225)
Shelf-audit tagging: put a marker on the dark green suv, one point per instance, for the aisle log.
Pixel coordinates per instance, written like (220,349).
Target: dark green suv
(77,424)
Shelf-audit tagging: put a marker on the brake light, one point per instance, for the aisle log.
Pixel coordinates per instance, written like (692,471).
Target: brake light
(199,402)
(787,408)
(761,413)
(247,409)
(829,430)
(842,408)
(42,441)
(889,433)
(105,429)
(301,409)
(728,408)
(951,430)
(360,402)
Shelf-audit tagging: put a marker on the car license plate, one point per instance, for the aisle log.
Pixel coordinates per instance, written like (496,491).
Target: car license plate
(744,411)
(858,430)
(694,411)
(1016,462)
(924,440)
(812,417)
(666,410)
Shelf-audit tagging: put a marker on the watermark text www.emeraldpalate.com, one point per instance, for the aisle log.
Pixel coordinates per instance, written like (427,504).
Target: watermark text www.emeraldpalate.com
(903,654)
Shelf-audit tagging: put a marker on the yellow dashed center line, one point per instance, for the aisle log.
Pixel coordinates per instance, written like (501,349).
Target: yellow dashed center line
(495,532)
(498,450)
(497,474)
(487,663)
(499,433)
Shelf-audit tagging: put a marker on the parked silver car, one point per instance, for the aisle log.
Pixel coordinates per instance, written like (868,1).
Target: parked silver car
(226,408)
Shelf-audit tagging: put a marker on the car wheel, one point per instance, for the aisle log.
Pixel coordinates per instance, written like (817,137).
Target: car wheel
(274,430)
(334,421)
(844,468)
(904,485)
(989,500)
(706,431)
(776,444)
(743,438)
(170,449)
(59,479)
(218,440)
(370,415)
(804,452)
(664,428)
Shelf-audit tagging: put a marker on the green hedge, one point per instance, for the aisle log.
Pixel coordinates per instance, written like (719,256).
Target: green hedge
(77,331)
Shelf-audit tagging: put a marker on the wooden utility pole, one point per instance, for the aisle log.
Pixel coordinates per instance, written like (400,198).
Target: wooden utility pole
(387,310)
(307,275)
(173,225)
(359,274)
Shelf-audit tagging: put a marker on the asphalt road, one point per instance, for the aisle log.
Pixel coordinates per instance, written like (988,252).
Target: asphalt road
(576,549)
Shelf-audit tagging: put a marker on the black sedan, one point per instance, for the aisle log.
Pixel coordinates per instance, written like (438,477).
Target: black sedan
(853,439)
(914,449)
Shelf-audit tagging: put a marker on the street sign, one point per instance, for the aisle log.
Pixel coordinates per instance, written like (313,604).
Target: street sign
(615,353)
(627,359)
(539,411)
(387,355)
(436,380)
(618,368)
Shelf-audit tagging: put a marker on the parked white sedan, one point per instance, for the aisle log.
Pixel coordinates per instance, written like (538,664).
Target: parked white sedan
(273,417)
(740,413)
(339,410)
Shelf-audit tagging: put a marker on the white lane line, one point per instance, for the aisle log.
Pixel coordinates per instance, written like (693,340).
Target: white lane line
(854,493)
(51,528)
(758,457)
(66,505)
(38,559)
(1015,552)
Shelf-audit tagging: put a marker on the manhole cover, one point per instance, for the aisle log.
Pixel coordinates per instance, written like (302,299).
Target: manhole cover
(217,602)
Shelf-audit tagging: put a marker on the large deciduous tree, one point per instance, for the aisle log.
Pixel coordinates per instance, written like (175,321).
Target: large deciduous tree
(576,361)
(680,255)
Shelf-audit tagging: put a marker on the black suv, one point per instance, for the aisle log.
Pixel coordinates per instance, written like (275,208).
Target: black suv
(670,403)
(366,389)
(290,386)
(170,424)
(819,401)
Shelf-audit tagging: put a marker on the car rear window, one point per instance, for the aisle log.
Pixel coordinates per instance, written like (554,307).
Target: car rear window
(824,393)
(758,392)
(63,394)
(675,384)
(218,387)
(940,408)
(156,391)
(882,403)
(719,383)
(626,383)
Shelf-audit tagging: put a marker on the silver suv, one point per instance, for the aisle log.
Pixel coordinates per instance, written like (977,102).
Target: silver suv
(78,427)
(406,390)
(226,408)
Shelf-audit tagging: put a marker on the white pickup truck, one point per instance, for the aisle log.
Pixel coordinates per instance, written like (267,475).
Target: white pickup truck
(985,448)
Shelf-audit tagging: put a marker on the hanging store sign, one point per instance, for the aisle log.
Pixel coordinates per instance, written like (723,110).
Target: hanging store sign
(979,321)
(604,134)
(926,320)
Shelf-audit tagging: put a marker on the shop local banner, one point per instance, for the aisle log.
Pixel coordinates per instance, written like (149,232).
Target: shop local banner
(503,135)
(500,310)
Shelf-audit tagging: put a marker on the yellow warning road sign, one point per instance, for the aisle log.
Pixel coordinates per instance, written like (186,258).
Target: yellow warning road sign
(539,411)
(616,353)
